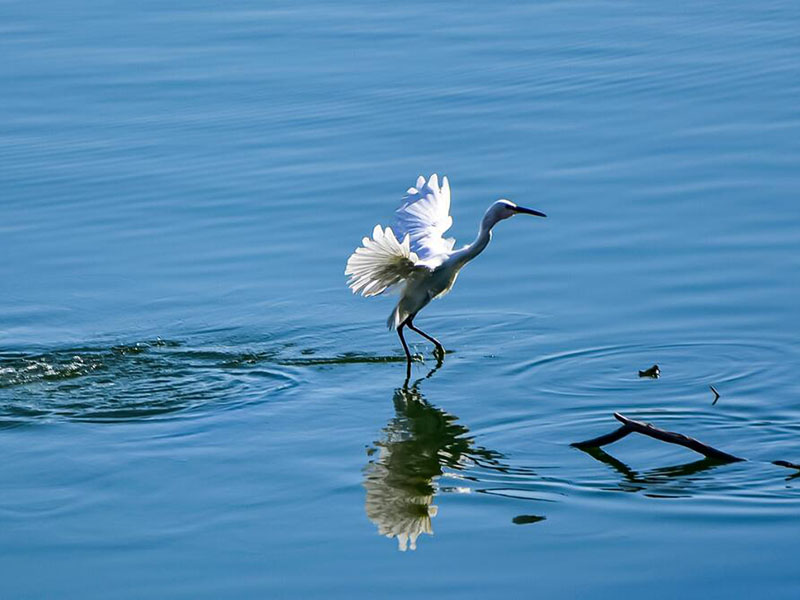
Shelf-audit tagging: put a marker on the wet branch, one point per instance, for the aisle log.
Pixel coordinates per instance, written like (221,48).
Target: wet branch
(677,438)
(631,426)
(602,440)
(786,463)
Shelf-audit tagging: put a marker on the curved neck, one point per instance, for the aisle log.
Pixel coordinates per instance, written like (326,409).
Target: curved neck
(467,253)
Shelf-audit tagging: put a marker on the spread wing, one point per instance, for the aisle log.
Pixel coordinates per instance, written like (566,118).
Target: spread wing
(424,216)
(380,263)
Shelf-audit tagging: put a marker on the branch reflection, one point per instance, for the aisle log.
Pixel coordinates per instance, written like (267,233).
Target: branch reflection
(673,481)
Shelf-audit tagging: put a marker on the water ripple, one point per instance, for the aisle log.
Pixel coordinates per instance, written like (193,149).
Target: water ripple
(132,381)
(741,365)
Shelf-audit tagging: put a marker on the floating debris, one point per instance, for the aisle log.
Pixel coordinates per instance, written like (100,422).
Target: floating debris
(525,519)
(653,372)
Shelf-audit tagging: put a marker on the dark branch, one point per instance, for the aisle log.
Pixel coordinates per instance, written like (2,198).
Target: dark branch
(608,438)
(630,426)
(676,438)
(786,463)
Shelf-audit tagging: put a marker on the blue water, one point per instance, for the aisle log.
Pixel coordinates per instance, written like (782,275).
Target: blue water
(192,403)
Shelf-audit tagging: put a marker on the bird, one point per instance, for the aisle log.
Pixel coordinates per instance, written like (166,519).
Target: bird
(414,257)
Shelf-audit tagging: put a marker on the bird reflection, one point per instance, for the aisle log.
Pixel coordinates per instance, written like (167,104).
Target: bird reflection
(672,481)
(418,445)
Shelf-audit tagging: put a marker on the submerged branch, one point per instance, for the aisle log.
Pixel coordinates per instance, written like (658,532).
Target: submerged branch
(592,446)
(631,426)
(786,463)
(602,440)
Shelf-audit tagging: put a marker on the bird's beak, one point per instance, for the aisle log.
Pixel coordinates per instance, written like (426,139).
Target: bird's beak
(529,211)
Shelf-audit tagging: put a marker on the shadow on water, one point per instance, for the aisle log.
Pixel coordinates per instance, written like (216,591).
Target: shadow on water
(418,446)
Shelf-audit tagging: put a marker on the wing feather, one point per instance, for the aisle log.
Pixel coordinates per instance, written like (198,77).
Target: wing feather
(380,263)
(424,217)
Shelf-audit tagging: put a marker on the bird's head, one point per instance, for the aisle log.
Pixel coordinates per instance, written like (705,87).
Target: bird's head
(505,209)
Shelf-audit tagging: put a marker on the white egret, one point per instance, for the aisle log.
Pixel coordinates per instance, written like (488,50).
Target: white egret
(414,254)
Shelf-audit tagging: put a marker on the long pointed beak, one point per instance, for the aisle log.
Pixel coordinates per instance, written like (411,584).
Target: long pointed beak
(529,211)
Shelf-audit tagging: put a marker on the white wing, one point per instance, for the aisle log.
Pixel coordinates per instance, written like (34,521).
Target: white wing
(380,263)
(424,217)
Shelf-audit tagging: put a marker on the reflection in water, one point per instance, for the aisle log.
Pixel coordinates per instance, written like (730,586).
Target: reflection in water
(664,482)
(418,445)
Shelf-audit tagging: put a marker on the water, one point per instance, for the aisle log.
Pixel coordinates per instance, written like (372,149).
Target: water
(193,405)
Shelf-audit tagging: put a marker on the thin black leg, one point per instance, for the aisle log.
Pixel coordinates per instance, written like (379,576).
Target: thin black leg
(430,338)
(405,347)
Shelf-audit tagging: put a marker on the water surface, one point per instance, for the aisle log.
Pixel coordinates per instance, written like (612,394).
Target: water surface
(193,405)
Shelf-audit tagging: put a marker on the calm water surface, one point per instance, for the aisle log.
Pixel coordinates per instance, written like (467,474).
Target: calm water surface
(193,405)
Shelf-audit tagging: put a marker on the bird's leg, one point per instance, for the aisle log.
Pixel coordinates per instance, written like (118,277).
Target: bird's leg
(439,352)
(405,347)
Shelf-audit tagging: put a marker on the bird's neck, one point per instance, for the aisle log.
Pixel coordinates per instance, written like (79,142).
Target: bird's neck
(467,253)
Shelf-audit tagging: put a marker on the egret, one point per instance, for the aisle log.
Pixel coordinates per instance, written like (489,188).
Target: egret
(416,257)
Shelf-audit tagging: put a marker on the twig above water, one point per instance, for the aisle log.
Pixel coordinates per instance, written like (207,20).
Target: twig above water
(716,395)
